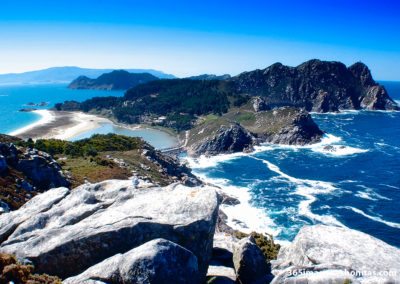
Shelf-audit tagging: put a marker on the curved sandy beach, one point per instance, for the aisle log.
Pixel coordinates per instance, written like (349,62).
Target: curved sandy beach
(60,125)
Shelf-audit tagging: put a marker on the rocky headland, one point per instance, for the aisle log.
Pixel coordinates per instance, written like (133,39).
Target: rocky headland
(319,86)
(232,114)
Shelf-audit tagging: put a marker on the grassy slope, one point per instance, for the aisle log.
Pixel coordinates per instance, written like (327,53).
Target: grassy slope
(96,159)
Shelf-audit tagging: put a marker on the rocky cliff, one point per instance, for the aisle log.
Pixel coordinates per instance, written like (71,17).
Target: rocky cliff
(115,80)
(240,129)
(218,137)
(315,85)
(64,232)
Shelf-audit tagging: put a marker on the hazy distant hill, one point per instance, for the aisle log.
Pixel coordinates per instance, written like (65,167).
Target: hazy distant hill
(66,75)
(210,77)
(115,80)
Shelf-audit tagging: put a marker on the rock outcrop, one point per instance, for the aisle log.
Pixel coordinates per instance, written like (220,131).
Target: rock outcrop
(157,261)
(322,254)
(25,172)
(250,263)
(115,80)
(65,232)
(259,104)
(221,137)
(39,167)
(285,125)
(315,85)
(225,135)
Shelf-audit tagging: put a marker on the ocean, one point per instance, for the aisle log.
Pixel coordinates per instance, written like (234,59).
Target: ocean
(16,97)
(351,178)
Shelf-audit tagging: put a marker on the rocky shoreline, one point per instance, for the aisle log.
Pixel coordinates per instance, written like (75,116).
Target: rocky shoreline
(116,232)
(131,231)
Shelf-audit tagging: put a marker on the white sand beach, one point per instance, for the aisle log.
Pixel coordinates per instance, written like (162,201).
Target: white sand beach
(60,125)
(46,117)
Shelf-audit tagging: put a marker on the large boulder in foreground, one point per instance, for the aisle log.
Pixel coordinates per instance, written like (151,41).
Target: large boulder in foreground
(157,261)
(79,228)
(250,263)
(325,254)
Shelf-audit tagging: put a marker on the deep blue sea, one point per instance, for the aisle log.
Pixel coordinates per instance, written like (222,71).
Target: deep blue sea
(15,97)
(355,183)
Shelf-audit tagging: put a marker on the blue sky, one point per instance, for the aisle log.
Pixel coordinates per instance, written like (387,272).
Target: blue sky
(192,37)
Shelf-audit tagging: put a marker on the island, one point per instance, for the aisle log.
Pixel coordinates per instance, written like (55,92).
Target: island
(115,80)
(232,114)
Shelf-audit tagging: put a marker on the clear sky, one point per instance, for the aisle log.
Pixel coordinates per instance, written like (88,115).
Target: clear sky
(193,37)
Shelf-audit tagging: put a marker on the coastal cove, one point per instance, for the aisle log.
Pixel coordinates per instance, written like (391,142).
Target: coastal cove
(50,124)
(335,182)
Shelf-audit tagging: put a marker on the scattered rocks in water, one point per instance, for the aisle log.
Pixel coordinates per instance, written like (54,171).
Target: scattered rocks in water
(27,109)
(227,199)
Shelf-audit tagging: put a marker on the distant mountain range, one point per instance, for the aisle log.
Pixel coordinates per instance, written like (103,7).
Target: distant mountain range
(67,74)
(115,80)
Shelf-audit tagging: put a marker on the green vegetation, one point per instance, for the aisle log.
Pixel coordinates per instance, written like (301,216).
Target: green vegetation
(245,117)
(11,271)
(98,158)
(264,242)
(180,101)
(86,147)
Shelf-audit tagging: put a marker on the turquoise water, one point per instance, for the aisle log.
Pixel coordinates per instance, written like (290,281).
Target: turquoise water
(283,188)
(157,139)
(15,97)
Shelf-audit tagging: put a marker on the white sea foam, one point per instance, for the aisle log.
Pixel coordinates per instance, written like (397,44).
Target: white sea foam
(330,145)
(203,162)
(244,216)
(370,194)
(374,218)
(46,117)
(390,186)
(308,189)
(341,112)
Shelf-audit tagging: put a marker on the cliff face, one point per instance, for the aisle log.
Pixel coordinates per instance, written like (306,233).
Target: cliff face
(286,125)
(240,129)
(115,80)
(222,137)
(316,85)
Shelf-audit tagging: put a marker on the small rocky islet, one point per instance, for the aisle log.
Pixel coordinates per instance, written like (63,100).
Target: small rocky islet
(112,209)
